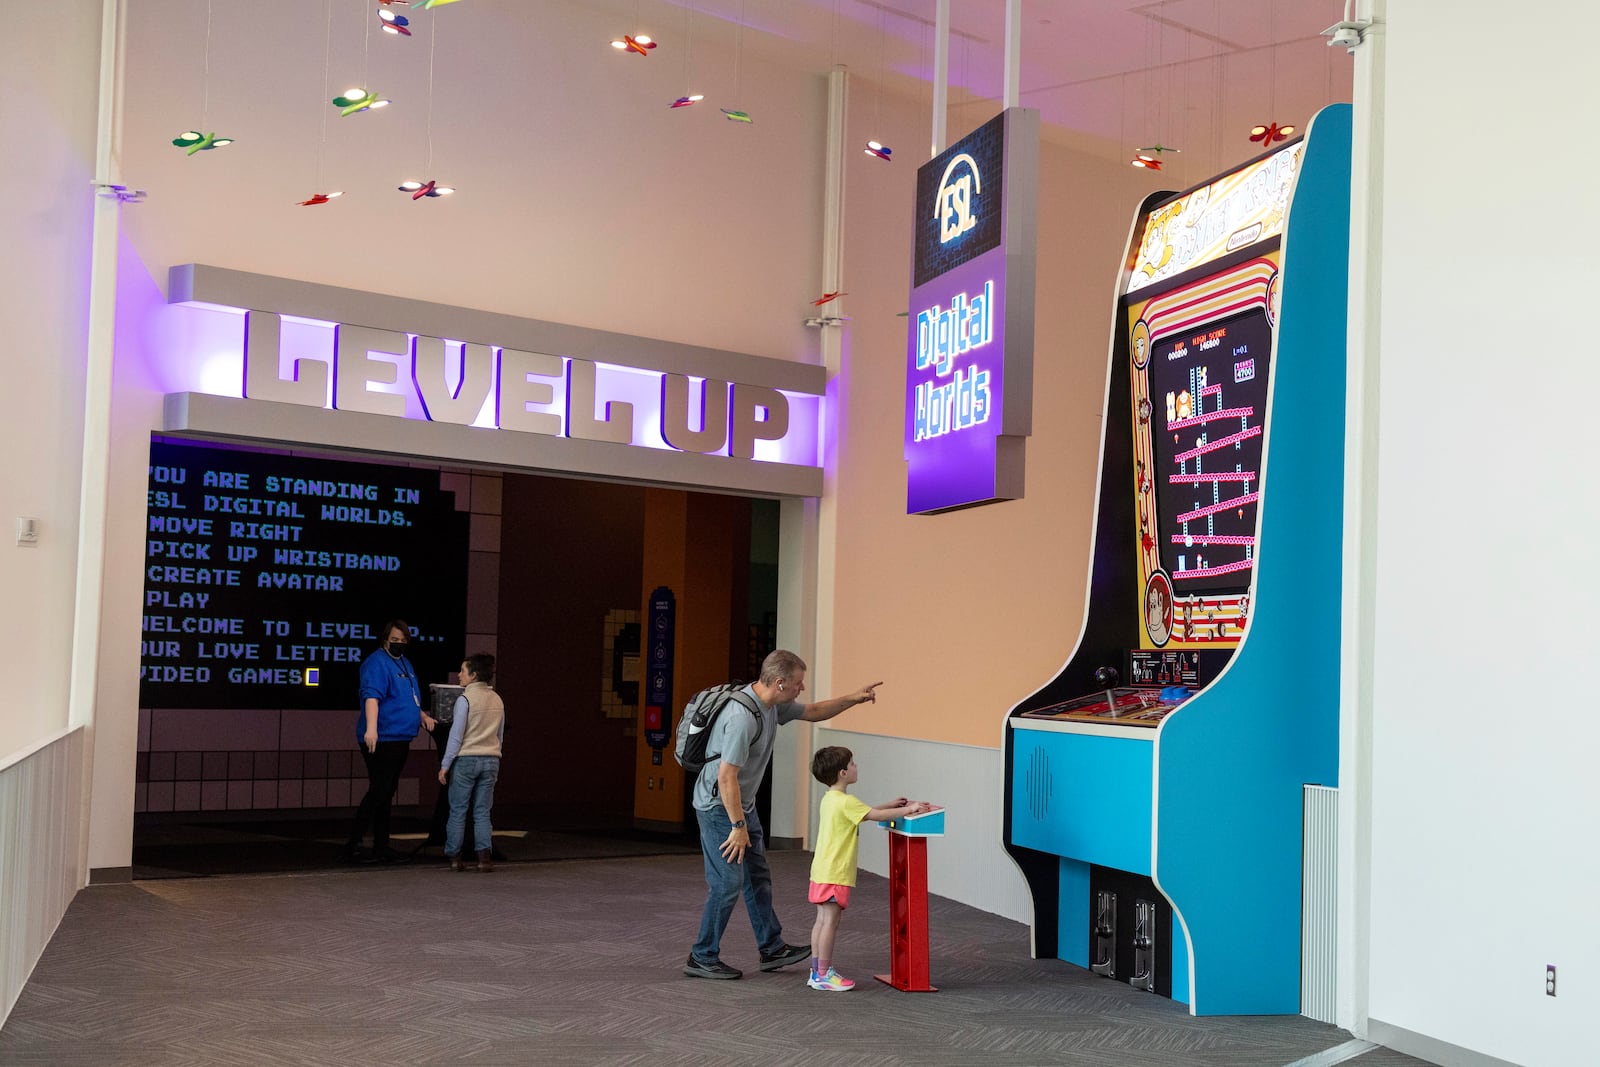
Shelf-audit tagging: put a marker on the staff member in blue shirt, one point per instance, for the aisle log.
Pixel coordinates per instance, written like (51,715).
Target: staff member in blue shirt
(391,713)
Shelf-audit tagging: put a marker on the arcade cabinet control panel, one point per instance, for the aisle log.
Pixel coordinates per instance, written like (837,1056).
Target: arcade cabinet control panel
(1160,682)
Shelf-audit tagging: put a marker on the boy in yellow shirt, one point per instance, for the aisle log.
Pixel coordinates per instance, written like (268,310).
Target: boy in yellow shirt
(833,868)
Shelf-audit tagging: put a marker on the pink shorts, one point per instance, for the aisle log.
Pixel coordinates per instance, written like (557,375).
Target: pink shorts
(822,892)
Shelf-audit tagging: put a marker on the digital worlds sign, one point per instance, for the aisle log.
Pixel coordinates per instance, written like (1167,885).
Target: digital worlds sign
(969,346)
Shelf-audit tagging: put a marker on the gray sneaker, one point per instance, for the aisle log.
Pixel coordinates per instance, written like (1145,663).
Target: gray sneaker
(784,956)
(715,969)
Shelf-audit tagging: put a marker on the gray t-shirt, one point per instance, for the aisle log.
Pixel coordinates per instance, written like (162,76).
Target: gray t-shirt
(735,739)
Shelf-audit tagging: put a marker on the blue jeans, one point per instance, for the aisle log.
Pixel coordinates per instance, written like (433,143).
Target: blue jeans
(726,881)
(465,773)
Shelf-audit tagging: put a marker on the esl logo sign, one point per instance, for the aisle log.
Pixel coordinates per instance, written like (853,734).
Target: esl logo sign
(960,202)
(956,198)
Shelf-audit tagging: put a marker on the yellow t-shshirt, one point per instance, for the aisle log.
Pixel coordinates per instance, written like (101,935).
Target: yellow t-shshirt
(838,823)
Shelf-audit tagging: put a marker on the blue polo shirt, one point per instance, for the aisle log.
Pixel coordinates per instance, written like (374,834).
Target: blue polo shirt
(393,684)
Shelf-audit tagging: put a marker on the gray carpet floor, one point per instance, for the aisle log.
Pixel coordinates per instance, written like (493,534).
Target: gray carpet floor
(570,962)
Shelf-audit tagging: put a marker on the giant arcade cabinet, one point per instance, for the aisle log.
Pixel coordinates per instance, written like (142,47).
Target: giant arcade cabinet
(1154,787)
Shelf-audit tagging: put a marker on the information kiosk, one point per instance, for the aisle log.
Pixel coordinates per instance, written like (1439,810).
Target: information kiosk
(1154,787)
(908,900)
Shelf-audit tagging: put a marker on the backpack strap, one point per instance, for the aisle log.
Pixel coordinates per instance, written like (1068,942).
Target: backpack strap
(749,704)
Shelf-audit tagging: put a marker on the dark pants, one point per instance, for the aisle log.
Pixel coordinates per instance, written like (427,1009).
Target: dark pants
(383,779)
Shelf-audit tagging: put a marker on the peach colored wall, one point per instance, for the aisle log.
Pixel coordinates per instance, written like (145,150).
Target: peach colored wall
(964,614)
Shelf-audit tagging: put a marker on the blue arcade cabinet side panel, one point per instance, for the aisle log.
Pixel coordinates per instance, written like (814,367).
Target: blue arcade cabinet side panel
(1087,797)
(1231,763)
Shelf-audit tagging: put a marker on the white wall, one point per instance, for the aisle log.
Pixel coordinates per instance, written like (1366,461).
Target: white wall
(1483,864)
(967,864)
(49,77)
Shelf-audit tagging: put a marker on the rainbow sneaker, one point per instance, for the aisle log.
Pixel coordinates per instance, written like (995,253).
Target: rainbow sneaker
(832,982)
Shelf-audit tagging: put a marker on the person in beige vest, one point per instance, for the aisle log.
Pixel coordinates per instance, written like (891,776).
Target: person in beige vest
(471,762)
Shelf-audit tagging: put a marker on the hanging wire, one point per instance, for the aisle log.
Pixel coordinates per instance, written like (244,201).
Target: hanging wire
(738,52)
(366,50)
(688,46)
(433,44)
(966,85)
(1150,27)
(1220,97)
(1122,117)
(205,77)
(877,99)
(1328,61)
(833,42)
(1170,72)
(1188,42)
(322,110)
(1272,64)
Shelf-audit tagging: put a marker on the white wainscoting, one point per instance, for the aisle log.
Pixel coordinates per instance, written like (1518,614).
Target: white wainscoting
(41,826)
(968,864)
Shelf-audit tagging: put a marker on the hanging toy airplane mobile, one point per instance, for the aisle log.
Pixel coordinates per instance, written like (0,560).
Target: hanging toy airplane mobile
(1150,157)
(354,101)
(195,141)
(1270,132)
(687,101)
(320,198)
(826,298)
(418,190)
(881,151)
(629,43)
(392,23)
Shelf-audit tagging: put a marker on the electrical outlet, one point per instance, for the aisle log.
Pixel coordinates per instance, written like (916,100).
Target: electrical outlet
(1549,979)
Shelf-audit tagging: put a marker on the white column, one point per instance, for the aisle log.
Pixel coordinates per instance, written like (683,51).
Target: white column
(1013,85)
(941,74)
(96,478)
(1360,528)
(807,528)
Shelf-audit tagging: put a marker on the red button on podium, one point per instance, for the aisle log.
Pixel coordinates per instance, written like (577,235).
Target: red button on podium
(908,900)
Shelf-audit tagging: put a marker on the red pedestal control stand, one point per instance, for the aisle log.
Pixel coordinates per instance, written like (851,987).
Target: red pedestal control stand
(908,905)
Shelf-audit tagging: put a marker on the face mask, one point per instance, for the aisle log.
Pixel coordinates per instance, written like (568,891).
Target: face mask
(397,648)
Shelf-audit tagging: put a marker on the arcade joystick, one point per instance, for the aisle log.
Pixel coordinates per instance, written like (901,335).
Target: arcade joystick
(1107,678)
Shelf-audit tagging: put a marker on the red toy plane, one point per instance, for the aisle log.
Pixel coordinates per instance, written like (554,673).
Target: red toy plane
(826,298)
(640,44)
(1270,132)
(418,190)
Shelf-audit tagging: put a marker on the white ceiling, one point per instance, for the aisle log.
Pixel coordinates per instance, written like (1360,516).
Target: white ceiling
(1106,75)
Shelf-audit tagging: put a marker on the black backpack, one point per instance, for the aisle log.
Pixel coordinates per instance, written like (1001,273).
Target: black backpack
(700,715)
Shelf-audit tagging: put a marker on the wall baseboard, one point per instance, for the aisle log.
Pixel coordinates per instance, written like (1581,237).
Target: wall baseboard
(1429,1048)
(110,875)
